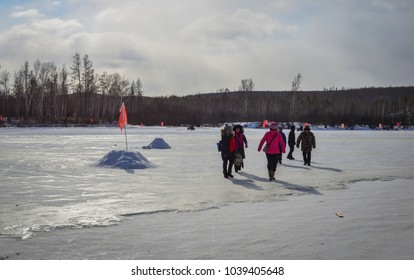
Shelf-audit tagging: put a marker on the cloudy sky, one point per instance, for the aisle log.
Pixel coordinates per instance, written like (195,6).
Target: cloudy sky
(190,46)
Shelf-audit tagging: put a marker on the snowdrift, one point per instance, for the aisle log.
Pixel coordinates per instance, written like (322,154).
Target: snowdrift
(125,160)
(158,143)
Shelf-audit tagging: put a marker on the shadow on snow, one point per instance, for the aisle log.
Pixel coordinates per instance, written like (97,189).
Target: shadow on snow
(249,183)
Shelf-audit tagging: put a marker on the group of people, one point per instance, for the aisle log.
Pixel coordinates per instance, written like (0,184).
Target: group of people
(233,142)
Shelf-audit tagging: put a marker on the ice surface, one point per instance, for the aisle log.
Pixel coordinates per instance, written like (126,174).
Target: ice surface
(49,178)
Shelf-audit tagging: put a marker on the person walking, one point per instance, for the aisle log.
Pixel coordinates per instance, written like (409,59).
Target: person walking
(273,148)
(280,129)
(228,149)
(308,142)
(241,143)
(291,142)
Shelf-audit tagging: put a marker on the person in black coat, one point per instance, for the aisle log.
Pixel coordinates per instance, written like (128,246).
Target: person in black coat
(228,150)
(291,142)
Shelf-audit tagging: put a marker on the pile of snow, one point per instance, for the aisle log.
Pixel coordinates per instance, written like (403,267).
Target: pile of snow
(125,160)
(158,143)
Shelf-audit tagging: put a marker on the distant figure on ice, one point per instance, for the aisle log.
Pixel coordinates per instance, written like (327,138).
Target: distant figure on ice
(241,143)
(228,150)
(291,142)
(280,129)
(273,148)
(308,142)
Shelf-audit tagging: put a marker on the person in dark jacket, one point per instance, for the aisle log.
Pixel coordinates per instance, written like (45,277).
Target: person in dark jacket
(308,142)
(241,143)
(228,149)
(280,129)
(291,142)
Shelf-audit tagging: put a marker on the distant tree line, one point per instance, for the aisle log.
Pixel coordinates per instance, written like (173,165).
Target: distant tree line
(45,94)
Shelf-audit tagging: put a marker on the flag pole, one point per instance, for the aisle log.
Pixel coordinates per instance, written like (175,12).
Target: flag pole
(123,121)
(126,141)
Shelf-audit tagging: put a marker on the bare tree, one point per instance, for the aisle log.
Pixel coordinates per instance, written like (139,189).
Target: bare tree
(295,87)
(25,76)
(4,82)
(18,90)
(45,76)
(63,90)
(139,87)
(246,88)
(4,89)
(88,80)
(76,78)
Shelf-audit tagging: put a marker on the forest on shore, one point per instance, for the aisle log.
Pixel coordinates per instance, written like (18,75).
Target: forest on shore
(47,95)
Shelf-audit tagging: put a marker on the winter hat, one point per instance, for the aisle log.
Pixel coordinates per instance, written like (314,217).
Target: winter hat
(227,127)
(273,125)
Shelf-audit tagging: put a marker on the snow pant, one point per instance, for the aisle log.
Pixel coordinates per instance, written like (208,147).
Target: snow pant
(291,149)
(228,162)
(306,157)
(272,160)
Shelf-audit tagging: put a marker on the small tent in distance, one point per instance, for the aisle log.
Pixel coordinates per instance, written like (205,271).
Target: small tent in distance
(158,143)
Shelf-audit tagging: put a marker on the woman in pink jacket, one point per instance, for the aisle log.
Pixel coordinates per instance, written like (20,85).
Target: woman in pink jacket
(275,146)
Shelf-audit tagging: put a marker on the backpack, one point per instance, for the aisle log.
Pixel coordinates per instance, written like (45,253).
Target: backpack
(219,146)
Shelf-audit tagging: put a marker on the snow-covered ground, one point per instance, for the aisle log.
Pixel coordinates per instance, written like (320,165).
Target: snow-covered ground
(51,185)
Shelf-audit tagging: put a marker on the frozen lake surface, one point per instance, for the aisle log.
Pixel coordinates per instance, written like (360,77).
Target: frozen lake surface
(50,178)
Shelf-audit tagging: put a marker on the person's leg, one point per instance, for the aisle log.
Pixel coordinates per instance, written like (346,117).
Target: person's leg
(271,166)
(231,163)
(289,156)
(225,161)
(292,148)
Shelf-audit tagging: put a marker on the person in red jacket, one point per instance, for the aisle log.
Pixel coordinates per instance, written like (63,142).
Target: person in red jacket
(275,146)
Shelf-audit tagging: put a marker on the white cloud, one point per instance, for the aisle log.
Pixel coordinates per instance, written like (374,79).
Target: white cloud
(30,13)
(241,24)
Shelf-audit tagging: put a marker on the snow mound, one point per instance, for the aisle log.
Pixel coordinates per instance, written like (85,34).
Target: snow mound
(158,143)
(125,160)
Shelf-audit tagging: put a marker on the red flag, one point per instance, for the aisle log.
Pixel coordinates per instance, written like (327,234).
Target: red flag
(123,120)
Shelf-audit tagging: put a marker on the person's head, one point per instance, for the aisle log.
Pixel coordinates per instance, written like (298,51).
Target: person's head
(227,127)
(280,128)
(292,128)
(273,126)
(307,128)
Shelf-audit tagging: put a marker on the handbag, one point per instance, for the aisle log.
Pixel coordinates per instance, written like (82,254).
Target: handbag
(238,160)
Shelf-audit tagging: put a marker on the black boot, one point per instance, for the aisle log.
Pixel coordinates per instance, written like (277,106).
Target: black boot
(229,170)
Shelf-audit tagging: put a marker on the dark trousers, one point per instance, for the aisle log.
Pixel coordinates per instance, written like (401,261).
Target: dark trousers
(272,160)
(291,149)
(228,162)
(306,157)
